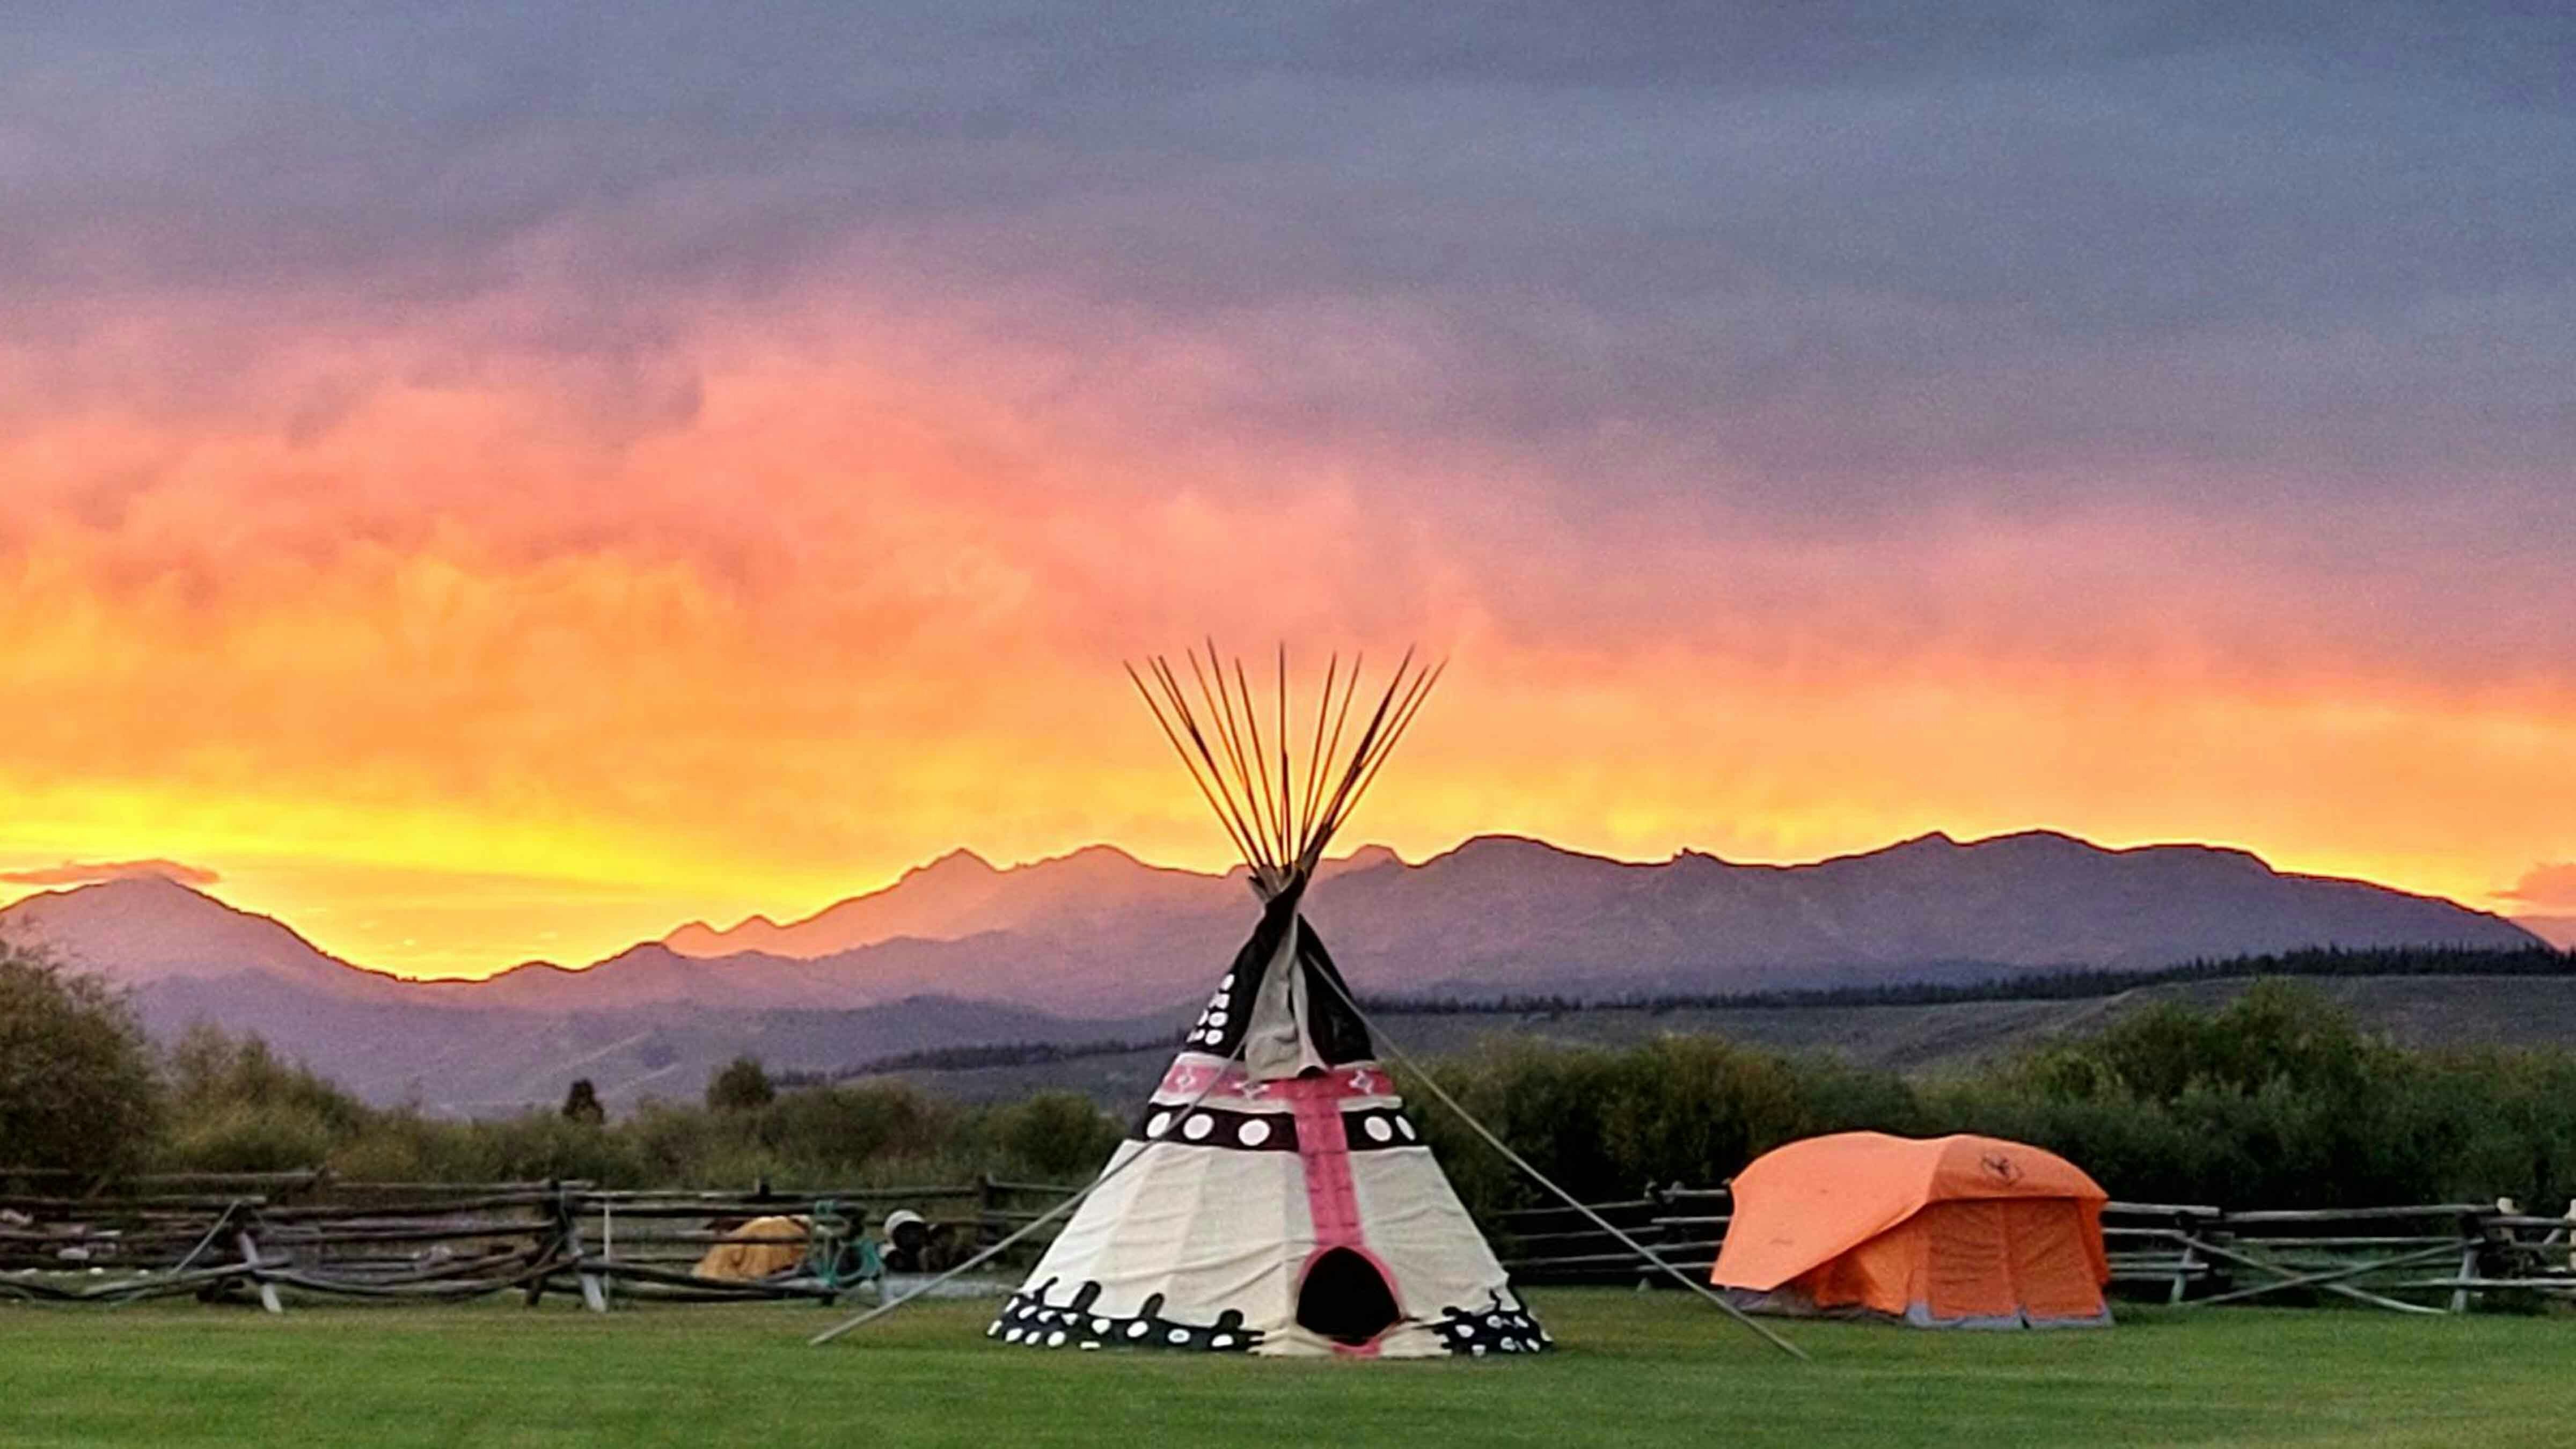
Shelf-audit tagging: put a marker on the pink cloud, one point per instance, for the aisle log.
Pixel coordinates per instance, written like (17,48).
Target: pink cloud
(2545,885)
(78,872)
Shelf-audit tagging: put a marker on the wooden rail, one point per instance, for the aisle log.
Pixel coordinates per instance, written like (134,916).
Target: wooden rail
(68,1239)
(2197,1255)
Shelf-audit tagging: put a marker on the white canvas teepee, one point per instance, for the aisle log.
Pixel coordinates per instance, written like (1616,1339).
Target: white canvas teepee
(1273,1197)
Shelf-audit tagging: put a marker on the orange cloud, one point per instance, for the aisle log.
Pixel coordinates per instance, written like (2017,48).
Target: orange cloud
(455,659)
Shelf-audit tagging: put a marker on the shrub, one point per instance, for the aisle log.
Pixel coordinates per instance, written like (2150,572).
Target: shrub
(76,1083)
(740,1086)
(581,1103)
(1605,1123)
(235,1107)
(1051,1137)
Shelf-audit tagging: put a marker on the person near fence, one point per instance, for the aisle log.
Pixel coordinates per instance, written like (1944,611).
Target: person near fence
(914,1244)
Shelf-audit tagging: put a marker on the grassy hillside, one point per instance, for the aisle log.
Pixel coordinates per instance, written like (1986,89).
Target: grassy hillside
(1914,1038)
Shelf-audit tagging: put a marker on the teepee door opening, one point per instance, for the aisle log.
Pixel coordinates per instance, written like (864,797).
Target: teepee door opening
(1345,1298)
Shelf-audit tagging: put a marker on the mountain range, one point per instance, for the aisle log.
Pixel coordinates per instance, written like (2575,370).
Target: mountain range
(1096,944)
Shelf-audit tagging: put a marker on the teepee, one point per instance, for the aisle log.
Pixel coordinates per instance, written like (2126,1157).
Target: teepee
(1273,1196)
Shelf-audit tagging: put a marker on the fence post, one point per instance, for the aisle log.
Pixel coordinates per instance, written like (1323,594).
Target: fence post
(988,1206)
(250,1258)
(2471,1234)
(594,1296)
(1654,1232)
(2189,1260)
(537,1283)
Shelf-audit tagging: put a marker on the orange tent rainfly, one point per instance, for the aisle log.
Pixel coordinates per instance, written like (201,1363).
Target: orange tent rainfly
(1951,1232)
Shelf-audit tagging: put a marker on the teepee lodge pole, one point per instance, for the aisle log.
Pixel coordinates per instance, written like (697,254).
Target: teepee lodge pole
(1279,824)
(1529,1170)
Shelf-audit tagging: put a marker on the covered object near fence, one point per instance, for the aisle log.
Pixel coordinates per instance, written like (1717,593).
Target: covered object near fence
(1947,1232)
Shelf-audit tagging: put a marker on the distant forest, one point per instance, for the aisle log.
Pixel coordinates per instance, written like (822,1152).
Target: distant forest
(2073,983)
(968,1058)
(2278,1097)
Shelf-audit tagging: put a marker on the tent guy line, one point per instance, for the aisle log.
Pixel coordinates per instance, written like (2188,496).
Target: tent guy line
(1071,1202)
(1432,1084)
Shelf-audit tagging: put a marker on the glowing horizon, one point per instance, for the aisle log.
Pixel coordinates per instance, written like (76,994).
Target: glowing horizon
(259,892)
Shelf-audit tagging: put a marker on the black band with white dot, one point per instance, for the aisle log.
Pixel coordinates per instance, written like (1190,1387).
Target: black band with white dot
(1217,1127)
(1497,1328)
(1029,1321)
(1369,1129)
(1221,1021)
(1372,1129)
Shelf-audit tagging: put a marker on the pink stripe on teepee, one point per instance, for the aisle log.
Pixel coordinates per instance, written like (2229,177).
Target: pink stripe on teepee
(1326,1156)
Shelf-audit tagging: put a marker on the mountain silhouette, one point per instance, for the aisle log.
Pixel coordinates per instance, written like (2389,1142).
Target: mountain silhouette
(1097,944)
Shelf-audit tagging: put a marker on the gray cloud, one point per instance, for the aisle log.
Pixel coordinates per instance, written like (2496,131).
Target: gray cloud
(1811,264)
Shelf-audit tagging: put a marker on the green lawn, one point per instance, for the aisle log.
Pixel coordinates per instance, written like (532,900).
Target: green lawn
(1631,1368)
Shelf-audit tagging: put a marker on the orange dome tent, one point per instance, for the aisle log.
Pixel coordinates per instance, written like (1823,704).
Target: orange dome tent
(1949,1232)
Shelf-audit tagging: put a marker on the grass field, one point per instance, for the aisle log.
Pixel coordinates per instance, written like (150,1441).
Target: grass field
(1631,1368)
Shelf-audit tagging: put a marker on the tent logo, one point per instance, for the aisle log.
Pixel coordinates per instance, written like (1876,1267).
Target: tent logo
(2001,1167)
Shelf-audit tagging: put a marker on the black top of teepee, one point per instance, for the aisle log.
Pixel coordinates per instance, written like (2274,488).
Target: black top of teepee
(1332,1027)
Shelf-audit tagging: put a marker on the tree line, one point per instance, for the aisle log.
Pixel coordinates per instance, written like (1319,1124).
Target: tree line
(2277,1099)
(2072,983)
(83,1089)
(2280,1098)
(2068,983)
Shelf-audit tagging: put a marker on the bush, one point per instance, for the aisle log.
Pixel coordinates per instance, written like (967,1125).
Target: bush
(2281,1100)
(581,1104)
(1051,1137)
(2277,1100)
(740,1086)
(77,1089)
(830,1132)
(235,1107)
(1605,1123)
(209,1071)
(234,1137)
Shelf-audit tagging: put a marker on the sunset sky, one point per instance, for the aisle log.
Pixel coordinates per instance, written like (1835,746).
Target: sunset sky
(503,482)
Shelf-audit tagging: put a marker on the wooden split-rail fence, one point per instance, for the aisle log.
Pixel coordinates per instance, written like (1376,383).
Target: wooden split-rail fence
(65,1239)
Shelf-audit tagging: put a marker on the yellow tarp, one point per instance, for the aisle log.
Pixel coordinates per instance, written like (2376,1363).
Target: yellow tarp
(760,1248)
